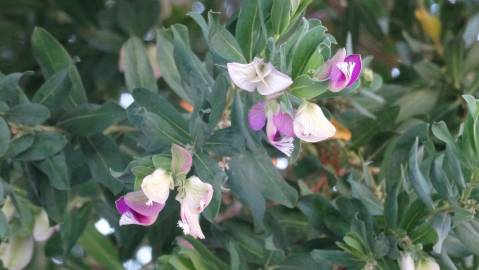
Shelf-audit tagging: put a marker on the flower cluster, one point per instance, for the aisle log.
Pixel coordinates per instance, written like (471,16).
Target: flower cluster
(142,207)
(308,122)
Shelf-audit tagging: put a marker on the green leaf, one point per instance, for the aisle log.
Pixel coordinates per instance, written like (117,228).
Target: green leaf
(136,17)
(4,137)
(221,42)
(157,104)
(138,71)
(46,144)
(52,58)
(87,120)
(306,47)
(322,215)
(280,15)
(440,181)
(424,234)
(166,61)
(19,145)
(469,236)
(56,169)
(54,92)
(367,197)
(30,114)
(336,257)
(73,226)
(10,91)
(218,100)
(101,248)
(247,27)
(195,78)
(308,88)
(418,180)
(103,155)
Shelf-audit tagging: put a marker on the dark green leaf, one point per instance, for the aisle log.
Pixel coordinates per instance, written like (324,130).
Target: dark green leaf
(103,155)
(87,120)
(247,27)
(4,137)
(138,71)
(55,91)
(73,226)
(305,49)
(28,114)
(46,144)
(56,169)
(418,180)
(53,58)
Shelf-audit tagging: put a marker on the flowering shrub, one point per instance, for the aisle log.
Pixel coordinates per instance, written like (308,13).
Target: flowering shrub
(251,140)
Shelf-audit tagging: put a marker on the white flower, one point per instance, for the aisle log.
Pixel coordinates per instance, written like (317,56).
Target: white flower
(41,229)
(428,264)
(157,185)
(260,76)
(17,252)
(195,198)
(311,125)
(406,262)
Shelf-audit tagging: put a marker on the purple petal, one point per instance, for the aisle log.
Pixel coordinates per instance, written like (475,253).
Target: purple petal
(337,79)
(325,73)
(284,124)
(137,202)
(356,59)
(256,116)
(121,206)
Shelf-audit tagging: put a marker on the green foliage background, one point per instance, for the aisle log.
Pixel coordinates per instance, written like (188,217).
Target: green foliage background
(405,181)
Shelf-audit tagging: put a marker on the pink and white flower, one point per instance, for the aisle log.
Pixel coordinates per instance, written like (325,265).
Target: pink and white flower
(194,198)
(342,70)
(181,160)
(310,124)
(279,126)
(135,208)
(258,75)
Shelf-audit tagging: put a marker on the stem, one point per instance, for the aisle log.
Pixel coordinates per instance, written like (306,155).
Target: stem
(119,129)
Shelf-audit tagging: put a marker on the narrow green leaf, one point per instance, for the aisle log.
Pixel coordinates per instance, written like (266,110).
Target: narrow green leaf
(418,181)
(56,169)
(138,71)
(100,247)
(247,27)
(52,58)
(280,15)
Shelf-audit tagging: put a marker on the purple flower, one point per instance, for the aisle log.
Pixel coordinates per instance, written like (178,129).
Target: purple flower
(135,208)
(279,127)
(342,70)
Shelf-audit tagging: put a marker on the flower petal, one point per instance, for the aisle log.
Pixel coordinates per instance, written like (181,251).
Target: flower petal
(338,78)
(41,228)
(243,74)
(284,124)
(274,82)
(138,202)
(356,71)
(181,160)
(325,72)
(256,116)
(283,144)
(311,125)
(17,252)
(156,186)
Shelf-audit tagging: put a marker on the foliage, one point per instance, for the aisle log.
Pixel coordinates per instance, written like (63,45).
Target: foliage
(400,176)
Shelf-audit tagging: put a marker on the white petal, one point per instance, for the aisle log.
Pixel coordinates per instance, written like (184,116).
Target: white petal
(243,75)
(197,194)
(156,186)
(407,262)
(311,125)
(274,82)
(17,253)
(128,219)
(41,229)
